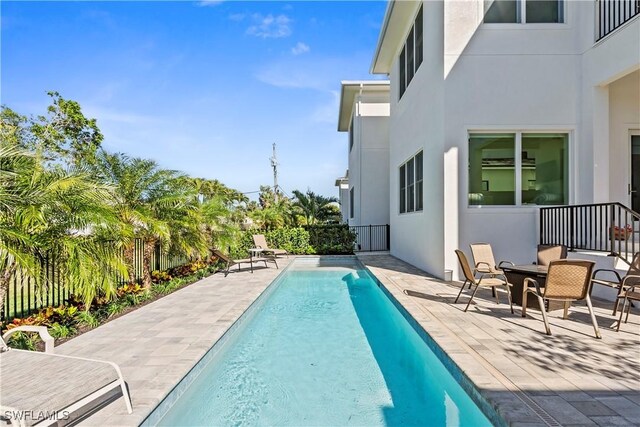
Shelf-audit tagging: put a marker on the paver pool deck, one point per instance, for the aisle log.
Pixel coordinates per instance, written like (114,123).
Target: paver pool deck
(569,378)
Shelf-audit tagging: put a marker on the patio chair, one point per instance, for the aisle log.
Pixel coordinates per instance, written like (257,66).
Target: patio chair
(230,262)
(484,260)
(567,280)
(261,242)
(491,280)
(548,253)
(632,293)
(37,388)
(620,283)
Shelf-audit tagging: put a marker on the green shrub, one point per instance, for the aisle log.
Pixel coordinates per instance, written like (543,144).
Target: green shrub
(333,239)
(61,331)
(86,318)
(24,340)
(293,240)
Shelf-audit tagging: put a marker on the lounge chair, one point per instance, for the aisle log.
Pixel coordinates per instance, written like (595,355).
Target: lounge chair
(43,388)
(567,280)
(620,283)
(261,242)
(491,280)
(231,262)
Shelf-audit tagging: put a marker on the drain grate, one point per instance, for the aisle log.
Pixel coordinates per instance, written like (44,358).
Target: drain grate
(539,411)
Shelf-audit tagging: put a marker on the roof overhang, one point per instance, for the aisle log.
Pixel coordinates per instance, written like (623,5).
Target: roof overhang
(351,88)
(393,33)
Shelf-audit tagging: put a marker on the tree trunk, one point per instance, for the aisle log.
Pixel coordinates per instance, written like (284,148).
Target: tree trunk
(5,280)
(149,246)
(129,254)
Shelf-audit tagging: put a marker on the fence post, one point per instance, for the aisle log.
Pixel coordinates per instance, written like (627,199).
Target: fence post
(611,230)
(572,228)
(388,237)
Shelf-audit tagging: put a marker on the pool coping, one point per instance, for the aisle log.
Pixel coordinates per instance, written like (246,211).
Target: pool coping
(156,414)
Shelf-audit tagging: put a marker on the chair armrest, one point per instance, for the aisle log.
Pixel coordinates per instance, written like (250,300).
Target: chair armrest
(593,276)
(49,342)
(504,262)
(488,269)
(631,276)
(529,280)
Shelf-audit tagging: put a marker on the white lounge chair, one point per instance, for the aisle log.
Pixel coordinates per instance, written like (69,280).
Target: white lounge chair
(261,242)
(44,388)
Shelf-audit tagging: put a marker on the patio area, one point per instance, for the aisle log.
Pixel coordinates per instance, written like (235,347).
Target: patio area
(569,378)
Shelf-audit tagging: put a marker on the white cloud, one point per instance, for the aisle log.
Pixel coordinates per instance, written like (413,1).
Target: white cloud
(205,3)
(300,48)
(270,26)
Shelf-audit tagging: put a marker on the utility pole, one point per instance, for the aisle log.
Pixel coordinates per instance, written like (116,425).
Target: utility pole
(274,165)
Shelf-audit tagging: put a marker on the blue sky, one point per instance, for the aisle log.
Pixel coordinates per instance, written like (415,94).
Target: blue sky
(202,87)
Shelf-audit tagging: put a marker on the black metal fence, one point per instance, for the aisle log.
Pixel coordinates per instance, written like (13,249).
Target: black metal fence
(371,238)
(611,14)
(600,227)
(26,296)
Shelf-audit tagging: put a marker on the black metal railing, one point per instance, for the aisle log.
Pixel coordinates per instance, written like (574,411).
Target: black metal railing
(26,296)
(600,227)
(612,14)
(371,238)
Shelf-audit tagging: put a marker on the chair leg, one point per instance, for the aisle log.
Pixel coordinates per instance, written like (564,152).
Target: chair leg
(565,314)
(461,289)
(624,304)
(593,317)
(495,294)
(626,319)
(509,297)
(471,299)
(544,315)
(524,302)
(618,298)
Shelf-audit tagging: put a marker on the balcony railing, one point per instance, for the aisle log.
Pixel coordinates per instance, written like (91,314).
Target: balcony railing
(612,14)
(601,227)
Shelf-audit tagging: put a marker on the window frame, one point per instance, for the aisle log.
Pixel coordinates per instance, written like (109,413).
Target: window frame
(405,205)
(519,131)
(522,5)
(352,203)
(405,75)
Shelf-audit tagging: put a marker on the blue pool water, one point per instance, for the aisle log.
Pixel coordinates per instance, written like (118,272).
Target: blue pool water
(325,347)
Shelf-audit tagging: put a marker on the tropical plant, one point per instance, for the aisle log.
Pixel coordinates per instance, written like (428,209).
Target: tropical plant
(314,207)
(154,204)
(54,210)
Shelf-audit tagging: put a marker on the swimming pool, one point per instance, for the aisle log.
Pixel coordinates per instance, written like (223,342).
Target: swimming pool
(324,345)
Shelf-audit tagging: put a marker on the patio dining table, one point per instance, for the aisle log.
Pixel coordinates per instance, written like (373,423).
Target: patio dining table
(516,275)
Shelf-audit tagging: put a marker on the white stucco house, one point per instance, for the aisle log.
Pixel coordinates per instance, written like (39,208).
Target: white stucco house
(499,108)
(364,114)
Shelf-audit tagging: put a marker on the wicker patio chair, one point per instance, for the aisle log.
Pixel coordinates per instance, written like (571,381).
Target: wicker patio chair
(37,387)
(632,293)
(567,280)
(261,242)
(484,260)
(620,283)
(488,280)
(548,253)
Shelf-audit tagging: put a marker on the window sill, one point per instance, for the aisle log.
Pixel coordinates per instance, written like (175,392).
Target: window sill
(521,27)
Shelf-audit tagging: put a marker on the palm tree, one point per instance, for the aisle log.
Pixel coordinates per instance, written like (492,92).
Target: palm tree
(152,203)
(52,210)
(314,207)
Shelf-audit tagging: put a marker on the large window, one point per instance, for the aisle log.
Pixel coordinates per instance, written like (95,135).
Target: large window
(523,11)
(411,187)
(518,168)
(411,55)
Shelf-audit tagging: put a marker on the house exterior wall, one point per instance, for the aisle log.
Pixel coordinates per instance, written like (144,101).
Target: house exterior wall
(506,77)
(369,160)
